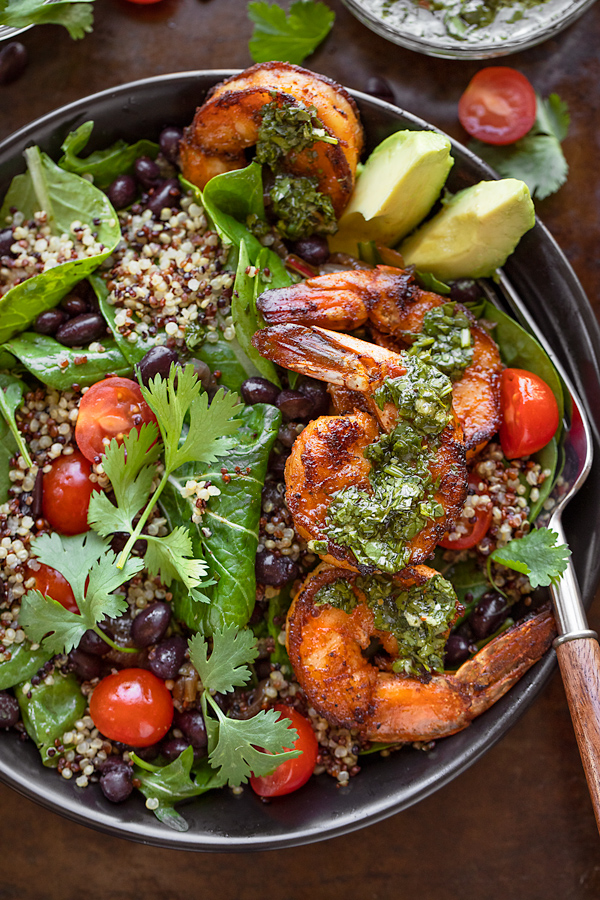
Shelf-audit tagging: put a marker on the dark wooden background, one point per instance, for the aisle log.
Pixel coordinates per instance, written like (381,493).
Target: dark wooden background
(519,823)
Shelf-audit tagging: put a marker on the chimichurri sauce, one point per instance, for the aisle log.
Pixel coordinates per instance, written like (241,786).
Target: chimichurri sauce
(418,617)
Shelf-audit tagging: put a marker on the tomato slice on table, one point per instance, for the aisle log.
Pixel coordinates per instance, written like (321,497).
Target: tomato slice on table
(132,706)
(498,106)
(292,773)
(66,494)
(472,530)
(529,413)
(109,409)
(51,583)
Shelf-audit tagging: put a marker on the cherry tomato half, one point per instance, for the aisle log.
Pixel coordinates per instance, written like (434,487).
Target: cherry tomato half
(132,706)
(51,583)
(66,494)
(292,773)
(110,409)
(529,413)
(498,106)
(476,528)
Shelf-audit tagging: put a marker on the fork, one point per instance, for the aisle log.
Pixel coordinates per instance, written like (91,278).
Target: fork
(576,646)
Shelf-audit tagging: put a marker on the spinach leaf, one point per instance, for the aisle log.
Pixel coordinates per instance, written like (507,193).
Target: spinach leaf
(45,358)
(132,351)
(48,710)
(22,665)
(8,448)
(229,359)
(177,781)
(232,522)
(238,193)
(11,396)
(245,315)
(547,457)
(65,198)
(103,165)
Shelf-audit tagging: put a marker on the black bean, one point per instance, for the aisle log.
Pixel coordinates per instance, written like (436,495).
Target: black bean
(82,330)
(378,86)
(6,241)
(13,61)
(116,782)
(488,615)
(93,643)
(166,658)
(167,196)
(9,710)
(259,390)
(119,540)
(156,361)
(316,392)
(274,570)
(50,321)
(191,722)
(205,376)
(294,405)
(314,250)
(458,649)
(173,747)
(74,305)
(122,192)
(465,290)
(85,665)
(148,753)
(287,435)
(146,171)
(169,143)
(150,625)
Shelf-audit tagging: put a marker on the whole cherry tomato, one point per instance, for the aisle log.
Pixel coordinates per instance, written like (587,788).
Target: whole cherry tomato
(529,413)
(51,583)
(132,706)
(110,409)
(292,773)
(498,106)
(66,494)
(476,528)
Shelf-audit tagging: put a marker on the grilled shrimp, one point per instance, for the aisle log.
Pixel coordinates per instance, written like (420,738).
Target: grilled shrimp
(228,123)
(339,460)
(327,649)
(395,306)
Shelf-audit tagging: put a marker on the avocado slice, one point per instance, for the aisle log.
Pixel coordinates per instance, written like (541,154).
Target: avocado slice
(398,185)
(474,233)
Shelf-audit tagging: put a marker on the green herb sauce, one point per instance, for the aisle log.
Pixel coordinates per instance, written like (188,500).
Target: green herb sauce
(300,208)
(446,339)
(285,130)
(378,525)
(419,618)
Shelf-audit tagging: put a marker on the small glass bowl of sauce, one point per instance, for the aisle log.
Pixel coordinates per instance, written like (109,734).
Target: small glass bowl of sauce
(467,29)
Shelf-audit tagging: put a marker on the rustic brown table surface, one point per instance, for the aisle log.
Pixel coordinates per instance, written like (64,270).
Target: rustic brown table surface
(519,823)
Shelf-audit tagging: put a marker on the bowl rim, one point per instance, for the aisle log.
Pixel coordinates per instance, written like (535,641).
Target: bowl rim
(481,734)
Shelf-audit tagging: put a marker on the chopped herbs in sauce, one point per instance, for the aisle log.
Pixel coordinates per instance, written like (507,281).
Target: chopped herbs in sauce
(300,209)
(419,617)
(378,524)
(446,339)
(285,130)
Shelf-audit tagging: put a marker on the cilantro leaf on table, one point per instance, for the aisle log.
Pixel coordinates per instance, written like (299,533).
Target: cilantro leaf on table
(536,555)
(80,558)
(76,15)
(537,159)
(227,665)
(288,38)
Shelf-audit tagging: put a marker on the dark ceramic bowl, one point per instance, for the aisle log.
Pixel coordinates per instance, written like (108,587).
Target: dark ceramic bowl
(219,820)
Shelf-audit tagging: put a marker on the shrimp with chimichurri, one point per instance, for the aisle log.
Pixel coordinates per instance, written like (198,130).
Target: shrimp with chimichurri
(377,488)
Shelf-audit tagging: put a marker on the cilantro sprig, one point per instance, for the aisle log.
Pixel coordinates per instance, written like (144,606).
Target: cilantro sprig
(537,159)
(190,430)
(88,564)
(288,38)
(536,555)
(233,744)
(76,15)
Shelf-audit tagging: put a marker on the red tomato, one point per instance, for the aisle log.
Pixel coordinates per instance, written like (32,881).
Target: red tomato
(476,527)
(529,413)
(292,773)
(498,106)
(132,706)
(110,409)
(66,494)
(51,583)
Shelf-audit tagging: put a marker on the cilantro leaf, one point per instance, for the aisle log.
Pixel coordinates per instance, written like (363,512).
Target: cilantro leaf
(537,159)
(76,15)
(167,557)
(227,666)
(11,395)
(289,38)
(536,555)
(46,621)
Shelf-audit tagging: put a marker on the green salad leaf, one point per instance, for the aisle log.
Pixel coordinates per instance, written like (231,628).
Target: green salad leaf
(48,710)
(103,165)
(292,37)
(23,664)
(76,15)
(250,281)
(12,391)
(536,555)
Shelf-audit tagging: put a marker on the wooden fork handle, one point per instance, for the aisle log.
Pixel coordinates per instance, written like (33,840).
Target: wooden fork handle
(579,662)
